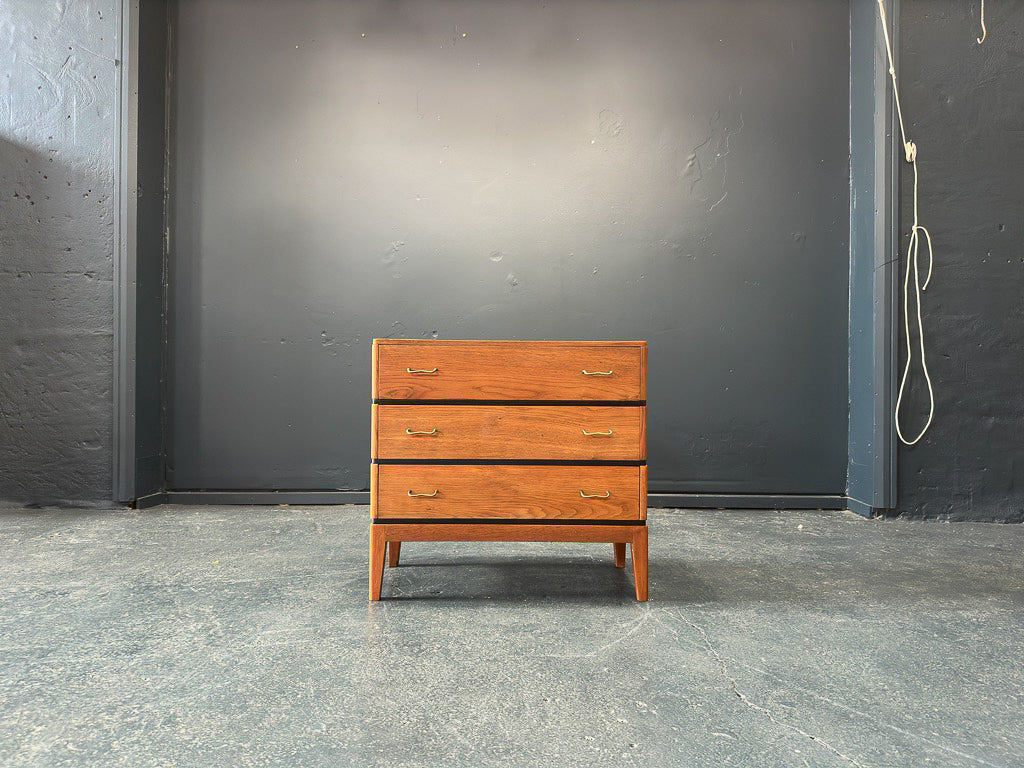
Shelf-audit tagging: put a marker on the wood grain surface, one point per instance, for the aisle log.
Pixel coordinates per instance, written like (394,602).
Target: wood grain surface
(509,371)
(509,432)
(634,535)
(405,532)
(619,554)
(395,553)
(642,500)
(638,554)
(547,492)
(378,545)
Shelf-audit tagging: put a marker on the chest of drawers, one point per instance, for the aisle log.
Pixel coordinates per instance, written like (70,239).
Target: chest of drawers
(508,441)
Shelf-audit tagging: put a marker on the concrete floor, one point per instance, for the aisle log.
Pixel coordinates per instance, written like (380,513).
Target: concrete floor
(230,636)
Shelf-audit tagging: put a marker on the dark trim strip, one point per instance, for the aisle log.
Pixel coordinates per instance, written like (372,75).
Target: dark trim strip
(125,261)
(746,501)
(151,500)
(858,507)
(519,462)
(400,401)
(256,498)
(866,510)
(498,521)
(724,501)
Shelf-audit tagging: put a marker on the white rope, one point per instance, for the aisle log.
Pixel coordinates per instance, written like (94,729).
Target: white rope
(910,151)
(984,32)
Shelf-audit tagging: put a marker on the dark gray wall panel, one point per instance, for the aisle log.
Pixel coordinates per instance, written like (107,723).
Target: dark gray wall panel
(675,172)
(871,476)
(55,326)
(58,78)
(150,265)
(965,112)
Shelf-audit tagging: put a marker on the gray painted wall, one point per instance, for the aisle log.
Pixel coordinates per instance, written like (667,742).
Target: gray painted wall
(56,255)
(676,172)
(58,86)
(871,479)
(966,111)
(151,273)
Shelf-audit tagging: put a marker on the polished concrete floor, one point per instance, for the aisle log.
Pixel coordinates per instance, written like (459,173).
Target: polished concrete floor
(234,636)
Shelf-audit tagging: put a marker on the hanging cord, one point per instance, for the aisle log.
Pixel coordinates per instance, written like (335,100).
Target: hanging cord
(984,32)
(910,151)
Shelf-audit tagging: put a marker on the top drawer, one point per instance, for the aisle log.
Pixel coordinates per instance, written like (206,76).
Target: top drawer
(409,369)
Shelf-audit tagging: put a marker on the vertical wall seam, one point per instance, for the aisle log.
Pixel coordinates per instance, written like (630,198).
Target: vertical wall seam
(166,242)
(871,470)
(124,293)
(894,149)
(118,449)
(852,244)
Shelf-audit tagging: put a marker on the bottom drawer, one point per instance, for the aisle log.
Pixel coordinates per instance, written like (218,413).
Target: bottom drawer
(497,491)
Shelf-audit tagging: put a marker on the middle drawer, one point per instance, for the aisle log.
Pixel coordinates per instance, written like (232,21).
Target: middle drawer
(509,432)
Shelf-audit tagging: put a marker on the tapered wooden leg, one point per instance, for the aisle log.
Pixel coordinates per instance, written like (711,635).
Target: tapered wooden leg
(394,551)
(377,546)
(638,552)
(620,554)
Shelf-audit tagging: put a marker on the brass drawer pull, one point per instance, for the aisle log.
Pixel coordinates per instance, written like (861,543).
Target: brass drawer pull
(598,373)
(606,433)
(414,432)
(429,495)
(421,370)
(604,495)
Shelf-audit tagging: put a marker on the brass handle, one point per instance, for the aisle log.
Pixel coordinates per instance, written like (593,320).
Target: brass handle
(414,432)
(423,494)
(604,495)
(421,370)
(606,433)
(598,373)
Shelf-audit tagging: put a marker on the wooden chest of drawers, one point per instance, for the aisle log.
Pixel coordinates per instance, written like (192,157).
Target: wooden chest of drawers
(509,441)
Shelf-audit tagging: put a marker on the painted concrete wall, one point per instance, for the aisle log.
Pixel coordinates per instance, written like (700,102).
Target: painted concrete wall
(58,87)
(965,108)
(56,249)
(675,172)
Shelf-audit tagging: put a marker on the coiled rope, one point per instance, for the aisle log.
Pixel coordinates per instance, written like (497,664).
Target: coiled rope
(916,231)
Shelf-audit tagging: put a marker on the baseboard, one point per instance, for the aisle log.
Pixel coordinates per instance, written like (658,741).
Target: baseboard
(866,510)
(149,501)
(656,500)
(745,501)
(254,498)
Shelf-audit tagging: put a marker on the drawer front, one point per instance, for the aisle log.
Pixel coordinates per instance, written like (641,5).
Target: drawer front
(509,432)
(454,491)
(508,371)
